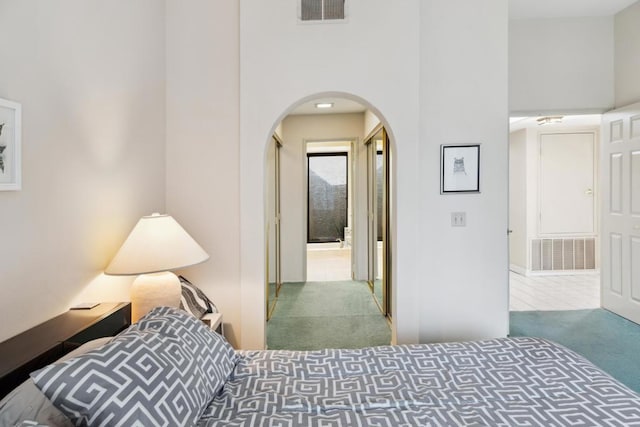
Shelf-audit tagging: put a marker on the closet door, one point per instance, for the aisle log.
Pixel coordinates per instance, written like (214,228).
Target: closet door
(377,219)
(273,251)
(567,183)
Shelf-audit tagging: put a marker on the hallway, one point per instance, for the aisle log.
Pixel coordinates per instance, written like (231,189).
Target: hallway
(317,315)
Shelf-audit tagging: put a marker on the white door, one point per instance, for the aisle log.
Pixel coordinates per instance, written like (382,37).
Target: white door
(620,247)
(567,183)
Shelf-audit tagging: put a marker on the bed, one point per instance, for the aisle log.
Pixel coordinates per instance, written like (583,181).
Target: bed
(168,369)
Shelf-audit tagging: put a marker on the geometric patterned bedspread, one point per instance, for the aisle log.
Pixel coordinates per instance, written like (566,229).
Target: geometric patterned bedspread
(500,382)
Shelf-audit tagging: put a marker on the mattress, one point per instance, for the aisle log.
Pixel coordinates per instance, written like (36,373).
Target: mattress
(500,382)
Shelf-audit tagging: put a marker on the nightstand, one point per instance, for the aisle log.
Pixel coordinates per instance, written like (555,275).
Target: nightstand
(45,343)
(214,321)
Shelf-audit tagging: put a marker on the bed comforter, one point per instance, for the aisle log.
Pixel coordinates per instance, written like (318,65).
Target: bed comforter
(500,382)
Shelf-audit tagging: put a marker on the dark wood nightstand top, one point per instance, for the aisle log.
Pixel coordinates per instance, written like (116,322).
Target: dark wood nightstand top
(50,340)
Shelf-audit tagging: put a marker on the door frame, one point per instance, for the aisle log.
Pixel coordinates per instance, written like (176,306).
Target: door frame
(371,215)
(346,155)
(352,143)
(277,235)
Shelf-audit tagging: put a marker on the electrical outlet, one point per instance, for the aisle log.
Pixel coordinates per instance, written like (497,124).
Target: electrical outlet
(458,219)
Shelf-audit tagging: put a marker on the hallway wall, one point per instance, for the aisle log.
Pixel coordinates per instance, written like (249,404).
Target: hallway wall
(296,129)
(561,65)
(203,172)
(627,56)
(427,92)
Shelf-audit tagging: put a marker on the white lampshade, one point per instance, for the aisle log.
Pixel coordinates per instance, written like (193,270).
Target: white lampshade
(157,243)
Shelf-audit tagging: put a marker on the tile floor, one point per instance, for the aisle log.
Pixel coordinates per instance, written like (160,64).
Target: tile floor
(329,262)
(551,293)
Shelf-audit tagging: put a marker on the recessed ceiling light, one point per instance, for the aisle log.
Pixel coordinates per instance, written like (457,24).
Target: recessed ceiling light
(324,105)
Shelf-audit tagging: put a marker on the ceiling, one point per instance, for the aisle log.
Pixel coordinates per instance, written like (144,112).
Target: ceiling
(528,9)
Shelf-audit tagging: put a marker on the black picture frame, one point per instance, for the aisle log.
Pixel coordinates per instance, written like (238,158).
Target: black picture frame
(459,168)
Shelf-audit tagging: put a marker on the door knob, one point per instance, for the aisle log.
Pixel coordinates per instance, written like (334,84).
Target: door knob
(588,192)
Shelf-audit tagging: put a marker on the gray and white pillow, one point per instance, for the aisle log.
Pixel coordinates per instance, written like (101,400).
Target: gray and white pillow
(26,405)
(193,300)
(162,371)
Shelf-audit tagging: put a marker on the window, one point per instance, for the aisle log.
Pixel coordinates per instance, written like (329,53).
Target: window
(327,197)
(322,10)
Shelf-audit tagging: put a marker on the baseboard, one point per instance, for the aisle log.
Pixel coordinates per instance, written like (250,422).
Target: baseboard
(530,273)
(595,272)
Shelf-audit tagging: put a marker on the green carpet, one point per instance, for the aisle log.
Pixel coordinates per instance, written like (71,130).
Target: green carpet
(609,341)
(317,315)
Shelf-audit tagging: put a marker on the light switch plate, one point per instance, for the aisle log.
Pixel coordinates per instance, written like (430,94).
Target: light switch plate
(458,219)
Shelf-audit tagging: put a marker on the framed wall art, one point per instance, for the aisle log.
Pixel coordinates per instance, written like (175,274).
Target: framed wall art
(460,168)
(10,145)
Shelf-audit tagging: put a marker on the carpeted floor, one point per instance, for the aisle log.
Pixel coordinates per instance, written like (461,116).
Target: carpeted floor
(609,341)
(317,315)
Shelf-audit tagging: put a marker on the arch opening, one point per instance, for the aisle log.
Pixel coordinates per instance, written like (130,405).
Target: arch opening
(305,139)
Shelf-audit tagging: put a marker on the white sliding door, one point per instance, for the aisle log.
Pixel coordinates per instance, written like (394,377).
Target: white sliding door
(620,247)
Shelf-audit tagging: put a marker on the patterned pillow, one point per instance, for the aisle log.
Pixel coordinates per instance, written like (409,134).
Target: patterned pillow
(26,402)
(162,371)
(193,300)
(219,357)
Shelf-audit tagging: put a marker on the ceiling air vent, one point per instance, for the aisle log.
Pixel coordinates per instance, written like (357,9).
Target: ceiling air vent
(322,10)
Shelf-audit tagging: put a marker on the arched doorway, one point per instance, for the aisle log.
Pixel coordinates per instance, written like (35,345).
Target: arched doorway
(327,182)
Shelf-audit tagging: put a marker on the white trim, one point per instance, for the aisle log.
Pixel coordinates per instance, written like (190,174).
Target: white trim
(530,273)
(371,134)
(595,272)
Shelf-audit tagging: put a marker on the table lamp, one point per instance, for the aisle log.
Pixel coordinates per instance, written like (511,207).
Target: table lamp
(156,245)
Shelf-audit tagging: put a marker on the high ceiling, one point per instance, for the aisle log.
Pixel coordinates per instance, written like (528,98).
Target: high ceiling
(528,9)
(518,9)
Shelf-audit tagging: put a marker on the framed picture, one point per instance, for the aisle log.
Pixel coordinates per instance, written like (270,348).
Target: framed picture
(460,168)
(10,140)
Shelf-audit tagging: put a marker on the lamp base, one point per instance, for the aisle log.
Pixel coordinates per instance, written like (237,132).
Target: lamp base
(153,290)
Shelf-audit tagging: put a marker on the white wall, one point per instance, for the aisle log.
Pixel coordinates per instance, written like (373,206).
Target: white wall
(296,130)
(453,82)
(203,176)
(518,200)
(561,64)
(306,61)
(442,62)
(462,284)
(90,79)
(627,56)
